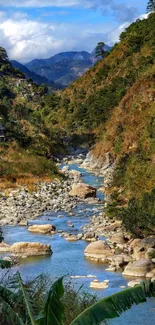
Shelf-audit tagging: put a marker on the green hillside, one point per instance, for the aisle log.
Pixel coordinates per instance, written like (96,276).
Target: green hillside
(26,142)
(116,101)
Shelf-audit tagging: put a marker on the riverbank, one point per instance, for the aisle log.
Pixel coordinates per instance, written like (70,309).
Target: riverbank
(20,205)
(119,250)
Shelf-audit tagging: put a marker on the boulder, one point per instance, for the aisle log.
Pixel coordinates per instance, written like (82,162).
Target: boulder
(82,191)
(92,200)
(42,229)
(117,238)
(119,261)
(72,238)
(23,223)
(112,227)
(139,247)
(133,283)
(89,236)
(98,285)
(151,274)
(139,268)
(30,249)
(98,251)
(4,247)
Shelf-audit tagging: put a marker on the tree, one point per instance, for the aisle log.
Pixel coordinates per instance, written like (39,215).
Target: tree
(53,308)
(3,55)
(100,51)
(151,6)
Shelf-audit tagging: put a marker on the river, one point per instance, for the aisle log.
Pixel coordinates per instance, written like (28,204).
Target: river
(68,258)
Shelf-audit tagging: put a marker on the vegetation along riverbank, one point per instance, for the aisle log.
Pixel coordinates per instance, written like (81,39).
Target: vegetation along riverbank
(77,186)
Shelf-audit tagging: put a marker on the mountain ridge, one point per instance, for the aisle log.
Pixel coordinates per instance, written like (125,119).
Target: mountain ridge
(64,67)
(32,75)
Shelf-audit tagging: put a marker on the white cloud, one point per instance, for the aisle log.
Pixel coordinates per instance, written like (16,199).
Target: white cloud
(25,39)
(122,10)
(41,3)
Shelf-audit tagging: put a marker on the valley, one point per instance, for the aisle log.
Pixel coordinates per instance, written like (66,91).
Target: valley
(77,168)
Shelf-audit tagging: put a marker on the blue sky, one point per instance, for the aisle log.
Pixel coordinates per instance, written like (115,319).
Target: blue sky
(41,28)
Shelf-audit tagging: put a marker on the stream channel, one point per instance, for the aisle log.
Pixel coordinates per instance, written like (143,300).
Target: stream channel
(68,257)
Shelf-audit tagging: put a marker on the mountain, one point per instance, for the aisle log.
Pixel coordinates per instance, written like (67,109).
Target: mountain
(63,68)
(31,75)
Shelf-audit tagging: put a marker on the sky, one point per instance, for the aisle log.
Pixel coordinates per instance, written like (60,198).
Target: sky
(32,29)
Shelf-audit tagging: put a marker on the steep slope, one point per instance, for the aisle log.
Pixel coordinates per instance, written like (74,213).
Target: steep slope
(64,67)
(26,142)
(31,75)
(116,100)
(90,100)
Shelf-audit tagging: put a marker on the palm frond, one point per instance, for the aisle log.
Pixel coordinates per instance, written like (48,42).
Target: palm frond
(115,305)
(52,312)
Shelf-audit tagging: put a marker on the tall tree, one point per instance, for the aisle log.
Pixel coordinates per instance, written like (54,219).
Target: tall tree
(3,55)
(151,6)
(100,51)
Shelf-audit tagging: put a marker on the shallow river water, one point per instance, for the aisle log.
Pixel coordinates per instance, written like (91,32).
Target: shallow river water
(68,258)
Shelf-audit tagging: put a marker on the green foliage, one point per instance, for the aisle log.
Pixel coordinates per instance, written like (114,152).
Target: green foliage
(100,50)
(113,306)
(53,309)
(89,102)
(151,6)
(75,302)
(17,306)
(139,216)
(5,264)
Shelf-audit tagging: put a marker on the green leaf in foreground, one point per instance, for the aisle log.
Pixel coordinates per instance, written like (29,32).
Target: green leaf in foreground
(52,312)
(115,305)
(5,264)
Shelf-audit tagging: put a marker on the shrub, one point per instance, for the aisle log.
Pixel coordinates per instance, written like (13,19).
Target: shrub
(139,217)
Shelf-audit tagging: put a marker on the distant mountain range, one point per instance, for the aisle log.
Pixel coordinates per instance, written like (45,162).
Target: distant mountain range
(61,69)
(34,76)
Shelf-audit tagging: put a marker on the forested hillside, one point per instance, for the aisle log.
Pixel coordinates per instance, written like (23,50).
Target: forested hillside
(116,101)
(26,141)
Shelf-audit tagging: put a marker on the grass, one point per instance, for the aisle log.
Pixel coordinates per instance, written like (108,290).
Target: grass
(24,168)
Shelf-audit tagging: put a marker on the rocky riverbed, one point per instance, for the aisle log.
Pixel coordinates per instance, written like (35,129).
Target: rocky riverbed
(110,243)
(20,205)
(76,230)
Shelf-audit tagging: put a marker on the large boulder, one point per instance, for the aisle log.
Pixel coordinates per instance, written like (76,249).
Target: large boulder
(98,251)
(139,268)
(82,191)
(25,249)
(117,238)
(99,285)
(139,247)
(42,229)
